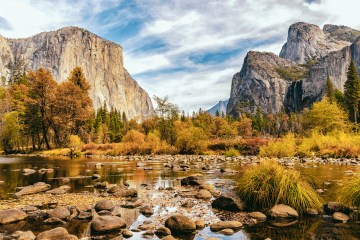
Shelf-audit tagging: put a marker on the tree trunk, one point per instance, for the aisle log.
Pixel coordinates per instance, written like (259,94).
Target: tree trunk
(355,114)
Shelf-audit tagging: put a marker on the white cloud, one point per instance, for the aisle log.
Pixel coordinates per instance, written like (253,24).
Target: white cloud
(187,28)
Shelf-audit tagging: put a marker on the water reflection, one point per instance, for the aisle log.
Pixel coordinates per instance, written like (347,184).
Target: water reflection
(80,171)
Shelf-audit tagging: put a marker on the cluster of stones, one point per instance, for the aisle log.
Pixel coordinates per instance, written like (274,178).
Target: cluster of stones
(105,216)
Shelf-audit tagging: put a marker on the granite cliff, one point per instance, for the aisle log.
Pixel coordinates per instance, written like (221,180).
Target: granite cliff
(296,78)
(102,61)
(219,107)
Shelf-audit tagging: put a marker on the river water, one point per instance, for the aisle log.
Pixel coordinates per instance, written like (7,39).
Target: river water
(116,170)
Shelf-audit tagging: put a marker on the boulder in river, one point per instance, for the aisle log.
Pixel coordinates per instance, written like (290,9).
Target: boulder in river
(32,189)
(180,224)
(59,212)
(56,234)
(10,216)
(228,203)
(331,207)
(162,231)
(258,216)
(133,204)
(204,194)
(107,223)
(123,192)
(104,205)
(191,181)
(126,233)
(28,235)
(168,237)
(60,190)
(283,211)
(146,210)
(54,221)
(225,225)
(28,171)
(340,217)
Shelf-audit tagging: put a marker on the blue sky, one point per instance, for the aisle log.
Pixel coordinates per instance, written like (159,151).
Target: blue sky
(186,49)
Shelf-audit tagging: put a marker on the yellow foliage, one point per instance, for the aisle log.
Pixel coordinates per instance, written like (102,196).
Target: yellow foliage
(191,140)
(134,136)
(232,152)
(74,141)
(282,147)
(335,144)
(325,117)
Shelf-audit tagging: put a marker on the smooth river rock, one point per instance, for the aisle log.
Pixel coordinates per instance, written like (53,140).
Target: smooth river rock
(56,234)
(340,217)
(228,203)
(180,224)
(13,215)
(215,227)
(104,205)
(283,211)
(59,212)
(107,223)
(32,189)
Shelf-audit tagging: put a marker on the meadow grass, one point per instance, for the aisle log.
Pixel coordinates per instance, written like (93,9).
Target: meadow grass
(267,184)
(335,144)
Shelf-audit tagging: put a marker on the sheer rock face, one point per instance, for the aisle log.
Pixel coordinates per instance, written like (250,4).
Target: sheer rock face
(258,84)
(6,56)
(334,65)
(307,41)
(101,60)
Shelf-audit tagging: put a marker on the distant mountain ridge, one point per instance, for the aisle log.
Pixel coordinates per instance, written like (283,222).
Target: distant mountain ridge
(220,107)
(102,61)
(296,78)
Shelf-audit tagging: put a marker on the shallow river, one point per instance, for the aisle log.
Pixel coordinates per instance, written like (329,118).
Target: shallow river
(77,170)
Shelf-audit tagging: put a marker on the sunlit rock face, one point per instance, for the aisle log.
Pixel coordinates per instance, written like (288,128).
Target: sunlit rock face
(102,61)
(307,41)
(259,85)
(321,53)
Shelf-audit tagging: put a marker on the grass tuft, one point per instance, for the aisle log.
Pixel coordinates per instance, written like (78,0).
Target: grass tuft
(350,192)
(269,183)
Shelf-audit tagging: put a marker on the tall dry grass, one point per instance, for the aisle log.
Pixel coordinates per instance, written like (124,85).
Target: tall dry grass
(350,192)
(269,183)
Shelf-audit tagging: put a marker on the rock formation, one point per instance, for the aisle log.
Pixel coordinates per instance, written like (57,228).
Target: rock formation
(296,78)
(102,62)
(307,41)
(220,107)
(260,85)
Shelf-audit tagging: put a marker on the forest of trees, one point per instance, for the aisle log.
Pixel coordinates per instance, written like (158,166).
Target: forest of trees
(39,113)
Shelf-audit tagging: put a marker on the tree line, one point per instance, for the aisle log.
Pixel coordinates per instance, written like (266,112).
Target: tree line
(39,113)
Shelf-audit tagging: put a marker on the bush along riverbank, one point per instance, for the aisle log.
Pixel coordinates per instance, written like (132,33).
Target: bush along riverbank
(267,193)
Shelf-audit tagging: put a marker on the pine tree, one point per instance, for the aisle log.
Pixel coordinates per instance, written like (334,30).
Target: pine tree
(330,90)
(217,113)
(352,91)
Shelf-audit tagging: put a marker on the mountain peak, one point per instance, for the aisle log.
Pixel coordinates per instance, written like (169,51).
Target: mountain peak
(307,41)
(62,50)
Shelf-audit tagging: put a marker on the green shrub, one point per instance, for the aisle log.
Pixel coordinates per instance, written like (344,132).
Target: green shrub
(291,73)
(350,192)
(232,152)
(268,183)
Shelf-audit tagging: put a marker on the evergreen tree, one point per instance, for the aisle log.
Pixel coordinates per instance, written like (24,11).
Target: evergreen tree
(217,113)
(352,91)
(330,90)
